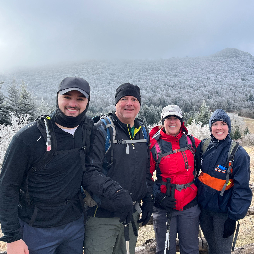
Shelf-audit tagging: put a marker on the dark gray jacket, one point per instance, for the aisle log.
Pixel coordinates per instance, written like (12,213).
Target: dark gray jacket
(131,171)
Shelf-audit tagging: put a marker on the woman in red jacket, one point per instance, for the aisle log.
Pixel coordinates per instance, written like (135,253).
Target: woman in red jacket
(172,156)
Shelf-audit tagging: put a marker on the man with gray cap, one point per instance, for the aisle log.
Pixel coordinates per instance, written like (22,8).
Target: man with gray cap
(41,209)
(120,152)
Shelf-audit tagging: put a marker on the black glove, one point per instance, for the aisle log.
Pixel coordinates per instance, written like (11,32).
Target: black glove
(229,228)
(122,206)
(117,200)
(165,202)
(147,209)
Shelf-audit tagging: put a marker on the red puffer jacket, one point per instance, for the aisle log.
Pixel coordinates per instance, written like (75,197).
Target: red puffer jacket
(175,155)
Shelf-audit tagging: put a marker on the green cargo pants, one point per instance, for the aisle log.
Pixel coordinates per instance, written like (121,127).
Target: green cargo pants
(106,236)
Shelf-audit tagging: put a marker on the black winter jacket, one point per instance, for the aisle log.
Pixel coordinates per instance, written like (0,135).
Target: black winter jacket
(54,191)
(131,171)
(236,200)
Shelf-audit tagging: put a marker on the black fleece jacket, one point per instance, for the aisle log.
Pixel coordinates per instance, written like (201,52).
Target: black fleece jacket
(55,189)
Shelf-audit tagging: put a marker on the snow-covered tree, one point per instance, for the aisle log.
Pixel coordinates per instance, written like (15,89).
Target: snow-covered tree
(44,108)
(150,114)
(26,103)
(203,115)
(8,131)
(4,112)
(198,130)
(20,102)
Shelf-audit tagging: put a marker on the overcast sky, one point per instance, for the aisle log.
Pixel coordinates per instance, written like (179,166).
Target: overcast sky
(43,32)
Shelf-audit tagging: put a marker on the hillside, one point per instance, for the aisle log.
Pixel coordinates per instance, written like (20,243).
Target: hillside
(250,124)
(224,80)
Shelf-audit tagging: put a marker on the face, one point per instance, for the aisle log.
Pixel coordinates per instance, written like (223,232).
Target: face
(220,130)
(172,125)
(127,109)
(72,103)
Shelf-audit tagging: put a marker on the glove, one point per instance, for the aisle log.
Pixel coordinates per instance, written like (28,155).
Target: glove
(229,228)
(117,200)
(147,209)
(165,202)
(123,206)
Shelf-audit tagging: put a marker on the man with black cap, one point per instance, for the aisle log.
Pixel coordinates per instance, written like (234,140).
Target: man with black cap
(41,209)
(120,151)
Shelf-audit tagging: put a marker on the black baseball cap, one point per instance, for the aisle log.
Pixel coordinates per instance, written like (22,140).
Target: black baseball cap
(73,83)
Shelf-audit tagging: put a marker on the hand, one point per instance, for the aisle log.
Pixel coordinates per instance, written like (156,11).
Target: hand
(17,247)
(121,204)
(229,228)
(147,209)
(124,206)
(164,201)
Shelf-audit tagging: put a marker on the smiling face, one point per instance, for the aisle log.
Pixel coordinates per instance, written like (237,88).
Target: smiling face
(172,125)
(219,130)
(72,103)
(127,109)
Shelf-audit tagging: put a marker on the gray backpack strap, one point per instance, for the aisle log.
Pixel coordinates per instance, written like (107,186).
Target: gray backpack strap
(205,144)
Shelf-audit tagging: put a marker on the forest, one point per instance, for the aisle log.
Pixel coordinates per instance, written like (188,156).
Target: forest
(223,80)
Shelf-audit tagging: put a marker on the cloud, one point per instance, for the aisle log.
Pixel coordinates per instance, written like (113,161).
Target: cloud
(50,32)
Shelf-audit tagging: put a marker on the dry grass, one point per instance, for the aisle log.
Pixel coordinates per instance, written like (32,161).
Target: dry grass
(250,124)
(2,244)
(246,232)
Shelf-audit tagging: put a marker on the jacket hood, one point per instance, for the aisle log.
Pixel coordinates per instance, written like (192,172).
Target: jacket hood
(220,115)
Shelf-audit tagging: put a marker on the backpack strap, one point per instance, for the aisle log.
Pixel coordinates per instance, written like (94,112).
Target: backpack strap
(158,150)
(133,141)
(205,144)
(229,164)
(180,187)
(191,142)
(110,130)
(144,131)
(110,137)
(44,124)
(87,127)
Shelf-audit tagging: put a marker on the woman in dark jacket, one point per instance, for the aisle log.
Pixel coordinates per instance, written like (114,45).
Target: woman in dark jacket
(224,194)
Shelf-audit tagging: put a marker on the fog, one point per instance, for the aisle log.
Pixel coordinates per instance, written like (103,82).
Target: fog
(46,32)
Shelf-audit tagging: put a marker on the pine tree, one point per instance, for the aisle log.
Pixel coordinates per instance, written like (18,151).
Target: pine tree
(44,108)
(246,131)
(20,101)
(203,115)
(236,134)
(26,103)
(13,99)
(150,114)
(4,112)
